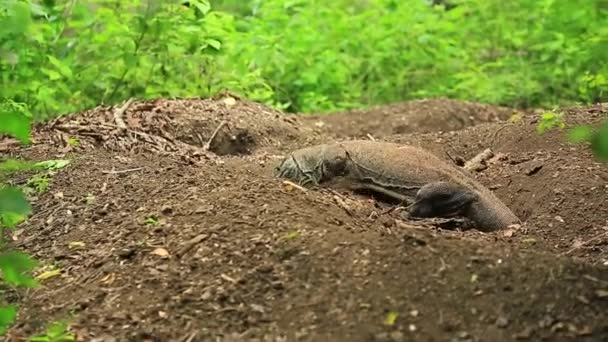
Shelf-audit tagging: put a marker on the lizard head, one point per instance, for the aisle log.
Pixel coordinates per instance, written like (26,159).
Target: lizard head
(442,199)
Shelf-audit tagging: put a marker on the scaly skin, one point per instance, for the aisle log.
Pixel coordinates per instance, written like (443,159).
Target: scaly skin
(433,187)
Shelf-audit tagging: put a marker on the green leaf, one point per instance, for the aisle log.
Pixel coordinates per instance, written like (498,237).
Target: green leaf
(12,203)
(19,17)
(216,44)
(599,142)
(579,134)
(53,164)
(63,69)
(8,314)
(390,318)
(52,74)
(14,265)
(11,220)
(202,5)
(56,332)
(10,166)
(16,125)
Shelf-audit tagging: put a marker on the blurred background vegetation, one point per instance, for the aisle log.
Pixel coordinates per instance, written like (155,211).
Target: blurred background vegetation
(302,55)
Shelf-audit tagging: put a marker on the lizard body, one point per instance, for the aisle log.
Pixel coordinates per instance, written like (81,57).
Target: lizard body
(431,186)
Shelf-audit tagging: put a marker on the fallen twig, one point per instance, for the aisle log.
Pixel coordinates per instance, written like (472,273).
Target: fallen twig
(190,337)
(208,144)
(188,245)
(597,237)
(343,205)
(371,137)
(478,162)
(394,208)
(114,172)
(301,188)
(119,113)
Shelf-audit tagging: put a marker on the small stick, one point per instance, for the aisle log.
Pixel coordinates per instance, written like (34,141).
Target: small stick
(208,144)
(118,114)
(343,205)
(303,189)
(190,337)
(114,172)
(587,242)
(394,208)
(477,163)
(228,278)
(451,158)
(371,137)
(188,245)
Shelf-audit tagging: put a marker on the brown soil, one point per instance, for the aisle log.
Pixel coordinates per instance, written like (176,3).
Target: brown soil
(420,116)
(235,254)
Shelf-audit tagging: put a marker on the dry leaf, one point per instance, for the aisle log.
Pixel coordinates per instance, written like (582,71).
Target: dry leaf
(109,279)
(160,252)
(391,317)
(76,244)
(49,274)
(601,293)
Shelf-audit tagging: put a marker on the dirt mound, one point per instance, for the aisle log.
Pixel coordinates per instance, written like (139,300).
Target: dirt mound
(556,186)
(420,116)
(225,125)
(153,248)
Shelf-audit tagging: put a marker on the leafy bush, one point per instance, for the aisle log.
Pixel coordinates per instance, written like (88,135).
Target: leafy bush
(331,55)
(303,56)
(64,56)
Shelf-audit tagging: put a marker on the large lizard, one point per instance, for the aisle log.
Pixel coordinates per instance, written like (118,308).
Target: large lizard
(430,186)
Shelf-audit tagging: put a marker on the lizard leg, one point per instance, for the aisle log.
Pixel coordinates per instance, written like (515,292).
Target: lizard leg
(442,199)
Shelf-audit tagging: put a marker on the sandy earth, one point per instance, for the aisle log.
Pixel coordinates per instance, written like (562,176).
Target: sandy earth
(161,239)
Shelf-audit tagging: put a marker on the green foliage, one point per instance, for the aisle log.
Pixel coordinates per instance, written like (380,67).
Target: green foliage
(597,139)
(8,314)
(14,207)
(56,332)
(15,266)
(16,121)
(320,56)
(550,120)
(302,56)
(64,56)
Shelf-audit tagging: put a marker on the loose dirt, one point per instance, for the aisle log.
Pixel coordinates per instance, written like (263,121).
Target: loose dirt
(420,116)
(173,228)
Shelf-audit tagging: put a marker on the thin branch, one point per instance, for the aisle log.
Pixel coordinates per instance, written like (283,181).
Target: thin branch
(208,144)
(119,113)
(135,51)
(114,172)
(597,237)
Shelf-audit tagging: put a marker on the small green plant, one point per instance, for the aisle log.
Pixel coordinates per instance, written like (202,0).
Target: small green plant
(38,183)
(74,142)
(549,121)
(151,220)
(56,332)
